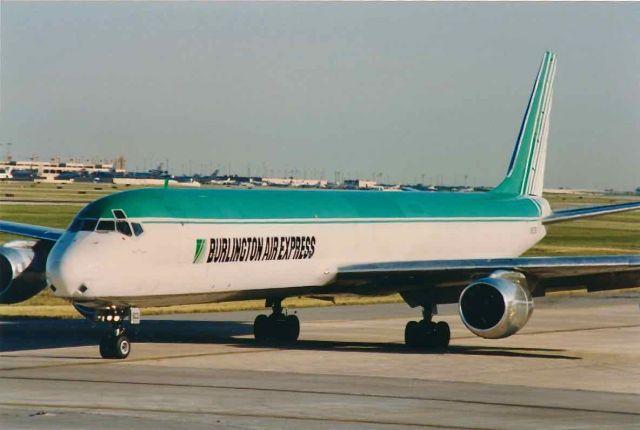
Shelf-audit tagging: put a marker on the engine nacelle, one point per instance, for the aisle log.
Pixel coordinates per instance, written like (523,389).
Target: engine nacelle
(22,270)
(496,306)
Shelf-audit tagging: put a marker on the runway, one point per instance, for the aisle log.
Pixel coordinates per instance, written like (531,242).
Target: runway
(575,365)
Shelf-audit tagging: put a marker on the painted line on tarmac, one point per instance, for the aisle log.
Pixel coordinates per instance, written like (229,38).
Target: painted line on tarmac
(324,392)
(239,415)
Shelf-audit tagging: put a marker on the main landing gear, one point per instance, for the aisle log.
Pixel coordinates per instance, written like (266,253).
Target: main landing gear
(426,333)
(115,343)
(277,326)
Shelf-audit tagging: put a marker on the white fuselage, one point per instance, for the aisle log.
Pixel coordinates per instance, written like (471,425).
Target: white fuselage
(158,268)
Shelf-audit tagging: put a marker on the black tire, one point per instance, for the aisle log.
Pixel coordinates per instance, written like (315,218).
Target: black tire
(261,328)
(427,334)
(291,328)
(106,347)
(115,347)
(412,334)
(442,334)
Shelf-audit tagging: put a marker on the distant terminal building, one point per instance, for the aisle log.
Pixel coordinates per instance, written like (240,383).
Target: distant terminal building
(295,182)
(361,184)
(572,191)
(48,171)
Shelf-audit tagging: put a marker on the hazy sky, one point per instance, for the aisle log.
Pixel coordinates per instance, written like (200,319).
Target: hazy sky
(407,89)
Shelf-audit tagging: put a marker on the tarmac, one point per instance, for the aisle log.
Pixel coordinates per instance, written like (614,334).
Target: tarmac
(575,365)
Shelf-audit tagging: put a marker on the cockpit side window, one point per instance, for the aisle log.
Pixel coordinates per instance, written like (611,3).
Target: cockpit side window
(106,225)
(88,224)
(124,228)
(137,228)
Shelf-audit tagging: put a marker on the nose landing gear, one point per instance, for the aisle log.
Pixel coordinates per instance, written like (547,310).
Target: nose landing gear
(277,326)
(115,344)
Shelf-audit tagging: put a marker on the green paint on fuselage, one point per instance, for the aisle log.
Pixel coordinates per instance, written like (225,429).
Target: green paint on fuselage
(238,204)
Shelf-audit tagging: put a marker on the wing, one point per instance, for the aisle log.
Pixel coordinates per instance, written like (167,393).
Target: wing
(576,213)
(30,230)
(446,278)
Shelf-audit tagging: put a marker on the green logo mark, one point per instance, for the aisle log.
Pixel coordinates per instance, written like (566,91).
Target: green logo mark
(199,256)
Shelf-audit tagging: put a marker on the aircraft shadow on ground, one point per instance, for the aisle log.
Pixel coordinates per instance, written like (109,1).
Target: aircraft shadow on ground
(31,334)
(28,334)
(399,348)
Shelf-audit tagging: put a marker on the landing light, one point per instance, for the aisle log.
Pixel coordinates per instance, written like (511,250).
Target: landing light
(109,317)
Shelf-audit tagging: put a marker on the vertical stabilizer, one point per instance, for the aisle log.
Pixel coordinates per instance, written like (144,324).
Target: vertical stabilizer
(526,169)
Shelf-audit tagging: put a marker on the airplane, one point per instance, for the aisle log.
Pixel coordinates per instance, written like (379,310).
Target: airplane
(166,246)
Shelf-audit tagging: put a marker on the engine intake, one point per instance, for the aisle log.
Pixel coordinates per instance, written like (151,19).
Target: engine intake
(496,306)
(22,271)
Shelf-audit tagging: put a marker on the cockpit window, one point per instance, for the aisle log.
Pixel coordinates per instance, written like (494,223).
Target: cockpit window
(106,225)
(137,228)
(119,214)
(83,225)
(124,228)
(88,224)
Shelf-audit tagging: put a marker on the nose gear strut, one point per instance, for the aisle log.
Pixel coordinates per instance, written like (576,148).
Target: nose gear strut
(115,343)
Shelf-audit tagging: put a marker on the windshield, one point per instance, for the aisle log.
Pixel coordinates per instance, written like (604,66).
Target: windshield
(106,225)
(124,228)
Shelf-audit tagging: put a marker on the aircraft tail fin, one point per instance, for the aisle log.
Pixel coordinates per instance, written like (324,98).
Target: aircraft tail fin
(525,175)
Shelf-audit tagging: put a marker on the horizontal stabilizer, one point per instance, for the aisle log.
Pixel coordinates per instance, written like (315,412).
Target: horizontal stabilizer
(585,212)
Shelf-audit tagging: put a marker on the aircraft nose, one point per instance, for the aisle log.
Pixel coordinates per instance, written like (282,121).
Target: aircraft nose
(66,271)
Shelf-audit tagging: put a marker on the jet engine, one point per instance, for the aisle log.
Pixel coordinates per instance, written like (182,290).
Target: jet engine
(22,270)
(496,306)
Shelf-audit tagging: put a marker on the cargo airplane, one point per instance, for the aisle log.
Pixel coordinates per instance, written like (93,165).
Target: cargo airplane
(165,246)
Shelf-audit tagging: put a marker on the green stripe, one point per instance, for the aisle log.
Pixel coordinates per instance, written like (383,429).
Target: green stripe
(341,221)
(311,205)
